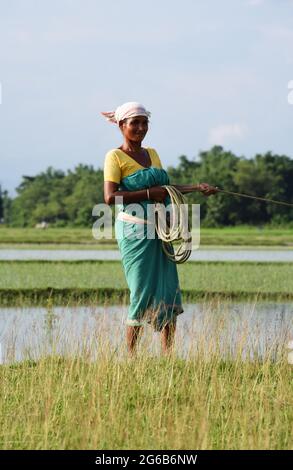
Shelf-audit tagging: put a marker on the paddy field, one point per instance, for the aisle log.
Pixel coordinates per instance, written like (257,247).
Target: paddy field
(70,384)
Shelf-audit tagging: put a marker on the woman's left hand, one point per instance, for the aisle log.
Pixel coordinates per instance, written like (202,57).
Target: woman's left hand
(206,189)
(158,193)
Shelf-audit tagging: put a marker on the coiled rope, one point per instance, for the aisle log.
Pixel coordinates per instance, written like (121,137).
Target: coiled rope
(179,228)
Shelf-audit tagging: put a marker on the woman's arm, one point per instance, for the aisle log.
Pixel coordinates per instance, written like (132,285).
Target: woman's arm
(157,193)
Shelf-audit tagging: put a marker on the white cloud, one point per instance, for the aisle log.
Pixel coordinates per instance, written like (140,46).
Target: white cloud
(255,2)
(277,32)
(224,133)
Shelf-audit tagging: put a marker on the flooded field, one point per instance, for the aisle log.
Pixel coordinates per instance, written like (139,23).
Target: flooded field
(110,255)
(253,330)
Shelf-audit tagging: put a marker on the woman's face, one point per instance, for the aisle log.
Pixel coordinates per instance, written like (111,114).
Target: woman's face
(135,128)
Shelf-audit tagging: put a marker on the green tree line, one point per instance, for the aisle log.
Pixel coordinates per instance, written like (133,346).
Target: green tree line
(67,198)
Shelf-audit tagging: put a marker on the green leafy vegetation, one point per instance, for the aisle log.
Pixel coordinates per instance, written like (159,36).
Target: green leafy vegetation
(67,198)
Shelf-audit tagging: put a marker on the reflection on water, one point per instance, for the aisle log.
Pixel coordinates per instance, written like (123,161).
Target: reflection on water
(251,330)
(196,255)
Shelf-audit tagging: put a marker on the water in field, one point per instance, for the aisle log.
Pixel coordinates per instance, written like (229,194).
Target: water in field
(196,255)
(251,330)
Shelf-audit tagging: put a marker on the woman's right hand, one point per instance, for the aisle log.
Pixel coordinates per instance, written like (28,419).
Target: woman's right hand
(158,193)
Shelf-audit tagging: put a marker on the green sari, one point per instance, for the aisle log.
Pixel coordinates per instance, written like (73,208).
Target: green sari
(152,278)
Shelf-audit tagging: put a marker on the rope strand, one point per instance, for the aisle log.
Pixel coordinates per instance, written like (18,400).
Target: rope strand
(179,230)
(263,199)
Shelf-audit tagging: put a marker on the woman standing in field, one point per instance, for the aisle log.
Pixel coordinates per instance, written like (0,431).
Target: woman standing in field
(136,174)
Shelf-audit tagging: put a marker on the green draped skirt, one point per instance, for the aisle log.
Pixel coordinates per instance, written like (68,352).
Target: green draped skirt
(152,278)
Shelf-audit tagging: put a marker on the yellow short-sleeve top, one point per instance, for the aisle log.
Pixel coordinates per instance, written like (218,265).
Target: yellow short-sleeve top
(119,164)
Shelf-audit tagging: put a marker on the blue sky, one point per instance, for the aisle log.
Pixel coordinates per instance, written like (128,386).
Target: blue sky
(211,72)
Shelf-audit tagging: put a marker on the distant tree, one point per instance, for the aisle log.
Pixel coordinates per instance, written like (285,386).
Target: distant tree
(1,204)
(58,198)
(6,207)
(87,192)
(268,176)
(217,167)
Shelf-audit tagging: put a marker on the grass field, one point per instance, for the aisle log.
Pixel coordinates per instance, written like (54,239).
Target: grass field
(146,403)
(214,276)
(237,236)
(94,280)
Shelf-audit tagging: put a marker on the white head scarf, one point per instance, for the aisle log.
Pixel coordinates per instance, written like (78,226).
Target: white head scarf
(126,110)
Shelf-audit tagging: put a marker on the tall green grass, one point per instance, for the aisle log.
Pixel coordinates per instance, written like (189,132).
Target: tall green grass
(210,399)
